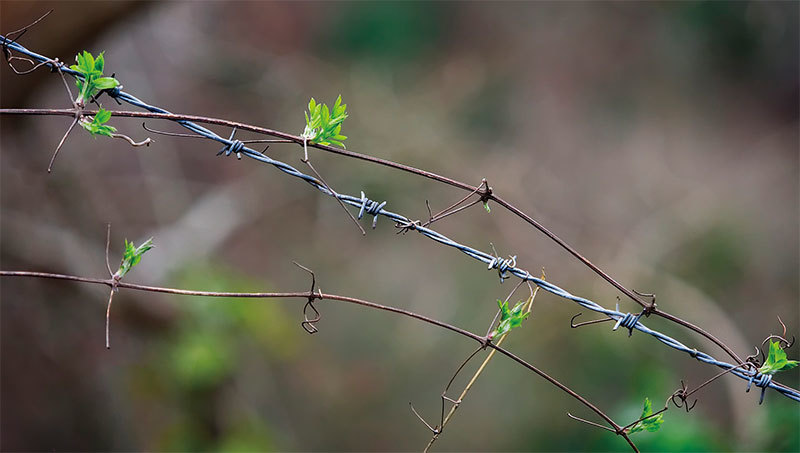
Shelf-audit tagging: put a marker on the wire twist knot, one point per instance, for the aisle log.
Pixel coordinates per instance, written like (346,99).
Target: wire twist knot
(113,92)
(628,321)
(502,266)
(370,207)
(760,380)
(407,225)
(235,146)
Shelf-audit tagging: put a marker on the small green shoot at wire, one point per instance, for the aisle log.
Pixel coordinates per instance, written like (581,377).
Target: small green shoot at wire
(132,256)
(93,82)
(509,318)
(323,125)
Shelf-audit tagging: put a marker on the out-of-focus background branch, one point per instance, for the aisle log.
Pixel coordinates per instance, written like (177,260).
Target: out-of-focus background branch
(659,139)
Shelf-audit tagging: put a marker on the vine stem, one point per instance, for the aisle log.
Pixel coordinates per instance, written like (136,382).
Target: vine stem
(323,296)
(488,194)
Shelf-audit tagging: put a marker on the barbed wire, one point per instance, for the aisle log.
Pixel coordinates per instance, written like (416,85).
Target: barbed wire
(504,267)
(486,194)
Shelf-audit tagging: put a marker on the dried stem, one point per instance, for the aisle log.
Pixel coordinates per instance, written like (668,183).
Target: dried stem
(445,420)
(306,161)
(61,143)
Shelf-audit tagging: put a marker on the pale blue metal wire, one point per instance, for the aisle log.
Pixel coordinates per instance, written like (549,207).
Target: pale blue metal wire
(504,267)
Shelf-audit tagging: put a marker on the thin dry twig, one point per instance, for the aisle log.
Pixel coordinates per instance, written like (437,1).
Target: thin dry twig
(306,161)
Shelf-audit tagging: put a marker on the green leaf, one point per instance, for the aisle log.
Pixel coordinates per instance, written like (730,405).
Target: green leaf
(91,69)
(651,424)
(81,59)
(776,360)
(102,116)
(324,125)
(96,126)
(99,63)
(88,61)
(509,318)
(132,256)
(486,207)
(105,130)
(105,83)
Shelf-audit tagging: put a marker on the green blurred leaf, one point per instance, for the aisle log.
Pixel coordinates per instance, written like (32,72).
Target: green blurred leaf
(200,360)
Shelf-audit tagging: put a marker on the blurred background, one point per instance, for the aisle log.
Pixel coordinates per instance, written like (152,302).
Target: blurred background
(660,139)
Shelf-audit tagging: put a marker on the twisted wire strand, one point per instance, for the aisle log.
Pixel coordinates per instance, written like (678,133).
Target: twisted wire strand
(376,209)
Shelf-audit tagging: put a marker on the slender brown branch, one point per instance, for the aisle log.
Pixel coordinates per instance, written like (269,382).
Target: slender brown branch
(335,195)
(548,378)
(424,173)
(323,296)
(61,143)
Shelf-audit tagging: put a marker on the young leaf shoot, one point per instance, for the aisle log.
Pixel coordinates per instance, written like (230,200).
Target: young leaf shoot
(509,318)
(132,256)
(93,82)
(97,126)
(324,125)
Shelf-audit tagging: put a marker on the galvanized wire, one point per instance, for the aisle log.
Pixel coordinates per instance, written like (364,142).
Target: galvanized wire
(504,267)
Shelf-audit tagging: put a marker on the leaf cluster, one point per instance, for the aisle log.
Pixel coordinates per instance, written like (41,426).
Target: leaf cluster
(510,318)
(776,360)
(132,256)
(91,69)
(323,125)
(97,126)
(651,424)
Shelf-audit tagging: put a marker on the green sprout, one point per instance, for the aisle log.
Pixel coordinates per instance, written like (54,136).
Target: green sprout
(323,125)
(509,318)
(91,69)
(97,126)
(132,256)
(776,360)
(651,424)
(486,207)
